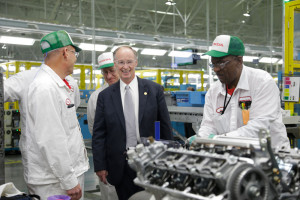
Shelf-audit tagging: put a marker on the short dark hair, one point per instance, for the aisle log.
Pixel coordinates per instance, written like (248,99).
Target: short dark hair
(125,46)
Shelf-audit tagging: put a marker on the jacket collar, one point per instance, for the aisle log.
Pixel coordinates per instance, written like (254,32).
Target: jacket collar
(54,76)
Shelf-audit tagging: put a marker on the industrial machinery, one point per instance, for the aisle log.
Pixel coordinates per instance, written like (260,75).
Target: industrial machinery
(12,129)
(221,168)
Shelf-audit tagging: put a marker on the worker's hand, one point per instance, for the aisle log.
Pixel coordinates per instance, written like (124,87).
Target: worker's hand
(190,140)
(102,175)
(75,193)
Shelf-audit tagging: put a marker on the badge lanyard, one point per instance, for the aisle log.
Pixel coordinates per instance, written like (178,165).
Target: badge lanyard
(226,104)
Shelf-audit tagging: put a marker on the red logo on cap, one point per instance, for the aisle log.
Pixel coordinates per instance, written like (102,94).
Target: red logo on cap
(107,59)
(218,44)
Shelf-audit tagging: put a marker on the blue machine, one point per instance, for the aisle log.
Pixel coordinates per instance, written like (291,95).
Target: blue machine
(82,117)
(189,98)
(185,98)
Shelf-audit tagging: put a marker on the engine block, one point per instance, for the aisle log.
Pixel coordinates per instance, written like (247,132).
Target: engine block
(221,168)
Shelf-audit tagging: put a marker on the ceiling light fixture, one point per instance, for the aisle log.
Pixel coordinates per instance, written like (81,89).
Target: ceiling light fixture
(249,58)
(17,40)
(90,47)
(268,60)
(163,12)
(170,3)
(247,13)
(154,52)
(181,54)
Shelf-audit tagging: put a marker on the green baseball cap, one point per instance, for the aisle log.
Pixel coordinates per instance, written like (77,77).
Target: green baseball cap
(225,45)
(57,40)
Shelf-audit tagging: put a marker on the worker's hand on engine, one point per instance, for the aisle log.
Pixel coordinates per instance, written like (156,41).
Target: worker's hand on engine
(189,141)
(102,175)
(75,193)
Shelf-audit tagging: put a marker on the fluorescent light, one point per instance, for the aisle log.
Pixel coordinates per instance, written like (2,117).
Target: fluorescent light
(268,60)
(182,54)
(170,2)
(76,71)
(247,14)
(17,40)
(115,47)
(90,47)
(280,62)
(154,52)
(163,12)
(249,58)
(203,57)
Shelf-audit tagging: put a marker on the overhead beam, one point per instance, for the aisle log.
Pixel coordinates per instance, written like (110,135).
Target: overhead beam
(131,12)
(55,9)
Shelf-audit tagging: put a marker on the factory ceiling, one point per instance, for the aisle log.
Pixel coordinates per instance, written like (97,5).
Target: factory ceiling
(143,24)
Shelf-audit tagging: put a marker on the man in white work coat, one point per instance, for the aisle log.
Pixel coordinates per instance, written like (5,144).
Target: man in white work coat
(244,100)
(54,153)
(16,88)
(108,70)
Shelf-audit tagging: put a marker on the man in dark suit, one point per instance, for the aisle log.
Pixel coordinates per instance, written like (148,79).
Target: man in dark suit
(115,130)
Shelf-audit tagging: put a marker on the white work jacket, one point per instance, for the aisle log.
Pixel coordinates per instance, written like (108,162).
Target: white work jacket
(91,109)
(265,113)
(53,149)
(16,88)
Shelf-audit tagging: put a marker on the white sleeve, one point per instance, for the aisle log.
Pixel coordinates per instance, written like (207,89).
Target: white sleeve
(14,88)
(45,121)
(265,108)
(91,110)
(207,126)
(76,95)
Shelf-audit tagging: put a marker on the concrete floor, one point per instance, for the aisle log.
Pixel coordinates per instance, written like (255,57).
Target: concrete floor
(14,174)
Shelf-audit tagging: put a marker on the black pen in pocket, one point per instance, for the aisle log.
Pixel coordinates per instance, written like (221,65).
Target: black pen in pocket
(70,105)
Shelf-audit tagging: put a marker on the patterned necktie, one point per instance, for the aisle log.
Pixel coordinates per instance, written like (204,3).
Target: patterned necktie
(129,114)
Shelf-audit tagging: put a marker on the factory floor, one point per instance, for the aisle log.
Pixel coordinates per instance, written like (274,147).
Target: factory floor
(14,174)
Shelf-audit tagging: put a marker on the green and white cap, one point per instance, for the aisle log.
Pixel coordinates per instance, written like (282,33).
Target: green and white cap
(57,40)
(105,60)
(225,45)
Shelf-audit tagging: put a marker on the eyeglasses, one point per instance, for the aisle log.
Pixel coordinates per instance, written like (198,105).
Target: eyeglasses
(75,53)
(109,71)
(221,65)
(122,62)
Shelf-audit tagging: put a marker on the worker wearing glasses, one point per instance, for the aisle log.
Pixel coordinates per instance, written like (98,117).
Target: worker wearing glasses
(244,100)
(53,151)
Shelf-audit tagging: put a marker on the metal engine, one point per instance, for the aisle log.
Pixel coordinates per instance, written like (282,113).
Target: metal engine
(221,168)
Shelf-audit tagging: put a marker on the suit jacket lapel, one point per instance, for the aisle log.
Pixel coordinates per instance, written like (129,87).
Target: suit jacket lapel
(143,94)
(117,102)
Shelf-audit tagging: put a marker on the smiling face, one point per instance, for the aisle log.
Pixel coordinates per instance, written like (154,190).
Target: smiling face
(126,62)
(231,70)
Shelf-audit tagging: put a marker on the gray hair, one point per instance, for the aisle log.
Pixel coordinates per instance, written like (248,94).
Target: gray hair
(125,46)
